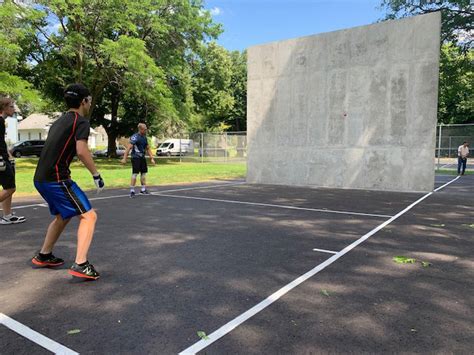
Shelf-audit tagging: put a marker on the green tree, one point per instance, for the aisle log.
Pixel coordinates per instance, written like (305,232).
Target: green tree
(13,34)
(219,82)
(212,86)
(456,92)
(238,115)
(456,17)
(129,53)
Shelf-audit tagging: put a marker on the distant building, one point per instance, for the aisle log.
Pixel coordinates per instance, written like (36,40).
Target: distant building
(36,126)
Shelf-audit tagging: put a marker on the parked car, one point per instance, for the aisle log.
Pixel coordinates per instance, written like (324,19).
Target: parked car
(176,147)
(25,148)
(120,151)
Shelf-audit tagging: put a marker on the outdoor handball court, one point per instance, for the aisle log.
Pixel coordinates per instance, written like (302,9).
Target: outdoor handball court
(260,269)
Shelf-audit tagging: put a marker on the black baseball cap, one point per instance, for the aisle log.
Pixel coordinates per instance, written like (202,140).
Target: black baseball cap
(77,90)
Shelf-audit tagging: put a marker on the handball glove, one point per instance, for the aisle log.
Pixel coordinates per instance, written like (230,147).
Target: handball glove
(99,182)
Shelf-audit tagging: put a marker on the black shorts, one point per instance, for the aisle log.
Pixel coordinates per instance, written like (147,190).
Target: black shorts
(7,177)
(139,166)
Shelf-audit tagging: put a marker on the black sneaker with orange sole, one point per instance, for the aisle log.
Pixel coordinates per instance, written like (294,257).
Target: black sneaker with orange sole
(39,260)
(86,271)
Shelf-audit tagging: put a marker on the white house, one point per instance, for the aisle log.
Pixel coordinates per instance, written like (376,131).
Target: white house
(36,126)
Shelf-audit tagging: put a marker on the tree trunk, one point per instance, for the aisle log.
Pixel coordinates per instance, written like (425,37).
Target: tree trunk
(237,123)
(112,133)
(111,146)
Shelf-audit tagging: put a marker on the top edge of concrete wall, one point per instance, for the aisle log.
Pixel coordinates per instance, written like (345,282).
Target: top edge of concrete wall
(428,17)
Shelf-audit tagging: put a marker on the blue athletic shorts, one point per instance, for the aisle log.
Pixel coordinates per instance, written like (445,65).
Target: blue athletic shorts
(64,198)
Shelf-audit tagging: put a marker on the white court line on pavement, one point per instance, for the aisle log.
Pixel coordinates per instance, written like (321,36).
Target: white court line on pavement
(445,165)
(449,182)
(201,187)
(325,251)
(27,206)
(226,328)
(34,336)
(127,195)
(272,205)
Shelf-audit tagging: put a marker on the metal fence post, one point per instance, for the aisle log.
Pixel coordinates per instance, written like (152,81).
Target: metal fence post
(180,150)
(225,147)
(202,147)
(449,151)
(439,144)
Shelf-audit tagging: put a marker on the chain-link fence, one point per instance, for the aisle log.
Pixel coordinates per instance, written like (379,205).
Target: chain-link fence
(448,140)
(204,147)
(450,137)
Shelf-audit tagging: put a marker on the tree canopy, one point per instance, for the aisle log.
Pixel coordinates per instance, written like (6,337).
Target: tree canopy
(150,61)
(456,92)
(13,37)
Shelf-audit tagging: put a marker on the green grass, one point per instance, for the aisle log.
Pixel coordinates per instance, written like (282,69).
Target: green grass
(118,175)
(452,172)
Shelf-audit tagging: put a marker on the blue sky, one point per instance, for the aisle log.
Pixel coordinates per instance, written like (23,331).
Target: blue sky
(251,22)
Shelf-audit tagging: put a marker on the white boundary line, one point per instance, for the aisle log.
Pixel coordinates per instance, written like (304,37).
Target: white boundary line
(449,182)
(226,328)
(325,251)
(202,187)
(27,206)
(445,165)
(34,336)
(42,204)
(272,205)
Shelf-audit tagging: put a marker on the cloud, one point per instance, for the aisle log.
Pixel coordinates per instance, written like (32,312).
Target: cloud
(216,11)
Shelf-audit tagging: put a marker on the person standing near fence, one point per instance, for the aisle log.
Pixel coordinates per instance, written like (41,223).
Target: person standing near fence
(463,152)
(139,146)
(7,167)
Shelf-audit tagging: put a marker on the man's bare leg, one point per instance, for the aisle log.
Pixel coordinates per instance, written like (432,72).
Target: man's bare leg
(55,229)
(143,181)
(6,199)
(85,233)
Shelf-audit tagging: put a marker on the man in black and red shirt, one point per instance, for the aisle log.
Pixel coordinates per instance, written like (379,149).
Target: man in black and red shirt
(67,138)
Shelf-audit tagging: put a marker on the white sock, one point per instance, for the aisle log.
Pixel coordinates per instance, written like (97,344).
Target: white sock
(132,188)
(7,215)
(143,187)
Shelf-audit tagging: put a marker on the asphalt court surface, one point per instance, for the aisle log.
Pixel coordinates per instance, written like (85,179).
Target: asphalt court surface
(193,258)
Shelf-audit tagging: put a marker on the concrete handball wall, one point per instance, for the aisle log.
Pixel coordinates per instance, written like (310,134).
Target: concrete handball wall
(349,109)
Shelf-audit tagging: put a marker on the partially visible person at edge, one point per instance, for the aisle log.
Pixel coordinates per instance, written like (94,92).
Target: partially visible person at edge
(7,166)
(139,146)
(463,152)
(67,138)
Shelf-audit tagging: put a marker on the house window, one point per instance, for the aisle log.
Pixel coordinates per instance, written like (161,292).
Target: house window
(19,137)
(29,135)
(39,135)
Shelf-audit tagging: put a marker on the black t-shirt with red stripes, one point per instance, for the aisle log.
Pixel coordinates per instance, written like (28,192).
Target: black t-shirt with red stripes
(60,147)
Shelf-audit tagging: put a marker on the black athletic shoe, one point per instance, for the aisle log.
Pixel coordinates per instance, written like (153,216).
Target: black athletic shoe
(48,261)
(86,271)
(144,192)
(132,194)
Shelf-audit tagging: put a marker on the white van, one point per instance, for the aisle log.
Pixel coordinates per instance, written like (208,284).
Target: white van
(176,147)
